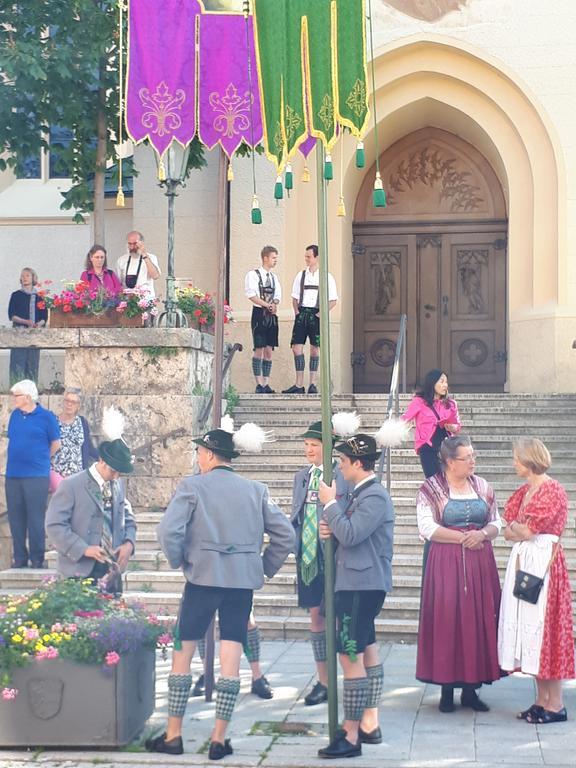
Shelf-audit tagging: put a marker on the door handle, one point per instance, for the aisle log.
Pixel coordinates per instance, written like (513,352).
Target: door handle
(445,306)
(429,307)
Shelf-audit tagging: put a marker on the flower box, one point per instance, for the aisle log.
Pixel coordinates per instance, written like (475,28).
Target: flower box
(106,319)
(65,704)
(130,322)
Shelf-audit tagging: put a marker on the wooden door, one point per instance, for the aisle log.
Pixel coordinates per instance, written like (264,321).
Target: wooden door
(451,286)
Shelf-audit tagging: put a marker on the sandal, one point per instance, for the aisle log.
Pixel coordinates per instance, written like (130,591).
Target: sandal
(547,716)
(534,711)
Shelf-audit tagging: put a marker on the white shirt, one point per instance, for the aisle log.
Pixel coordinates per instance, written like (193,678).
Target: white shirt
(311,297)
(97,476)
(252,284)
(143,281)
(425,514)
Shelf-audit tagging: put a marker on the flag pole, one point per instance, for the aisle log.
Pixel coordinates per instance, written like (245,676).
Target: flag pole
(326,386)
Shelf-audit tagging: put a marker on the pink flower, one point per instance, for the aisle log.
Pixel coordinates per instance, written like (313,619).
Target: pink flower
(48,653)
(9,694)
(57,627)
(70,628)
(32,634)
(165,638)
(112,658)
(122,306)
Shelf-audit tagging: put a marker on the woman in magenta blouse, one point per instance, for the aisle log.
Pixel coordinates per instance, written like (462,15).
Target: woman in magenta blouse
(97,273)
(435,416)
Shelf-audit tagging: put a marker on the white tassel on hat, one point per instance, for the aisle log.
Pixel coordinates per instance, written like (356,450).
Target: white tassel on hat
(345,423)
(392,433)
(227,423)
(113,423)
(250,437)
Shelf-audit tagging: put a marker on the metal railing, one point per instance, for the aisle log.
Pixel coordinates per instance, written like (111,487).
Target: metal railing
(232,349)
(393,408)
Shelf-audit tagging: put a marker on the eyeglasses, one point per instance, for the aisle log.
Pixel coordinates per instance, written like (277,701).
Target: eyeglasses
(469,457)
(72,402)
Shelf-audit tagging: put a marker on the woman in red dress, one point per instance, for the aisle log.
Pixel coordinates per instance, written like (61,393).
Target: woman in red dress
(537,639)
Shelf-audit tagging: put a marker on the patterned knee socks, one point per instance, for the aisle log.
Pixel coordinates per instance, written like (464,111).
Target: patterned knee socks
(257,366)
(266,368)
(227,689)
(375,677)
(299,362)
(355,697)
(252,645)
(178,692)
(318,640)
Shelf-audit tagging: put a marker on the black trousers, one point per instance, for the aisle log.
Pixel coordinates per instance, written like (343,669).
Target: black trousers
(26,499)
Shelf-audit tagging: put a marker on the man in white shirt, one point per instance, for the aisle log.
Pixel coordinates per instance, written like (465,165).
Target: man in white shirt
(263,289)
(307,320)
(138,268)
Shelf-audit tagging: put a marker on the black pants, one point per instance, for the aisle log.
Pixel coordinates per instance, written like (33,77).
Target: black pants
(24,364)
(26,499)
(428,454)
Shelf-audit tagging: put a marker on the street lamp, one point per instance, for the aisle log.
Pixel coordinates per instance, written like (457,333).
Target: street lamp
(174,162)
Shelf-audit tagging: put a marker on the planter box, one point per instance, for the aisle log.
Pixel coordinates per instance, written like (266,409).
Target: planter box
(129,322)
(59,319)
(64,704)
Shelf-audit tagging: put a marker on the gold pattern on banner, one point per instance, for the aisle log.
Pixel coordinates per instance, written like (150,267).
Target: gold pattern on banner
(234,111)
(162,115)
(326,113)
(356,100)
(278,139)
(292,121)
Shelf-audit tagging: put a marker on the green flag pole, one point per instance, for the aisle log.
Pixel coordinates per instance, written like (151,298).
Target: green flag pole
(326,381)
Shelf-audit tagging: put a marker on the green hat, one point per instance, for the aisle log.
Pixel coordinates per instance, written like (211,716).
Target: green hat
(117,455)
(314,432)
(358,447)
(219,442)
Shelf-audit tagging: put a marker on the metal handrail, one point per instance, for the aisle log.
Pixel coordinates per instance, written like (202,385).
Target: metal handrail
(394,398)
(232,349)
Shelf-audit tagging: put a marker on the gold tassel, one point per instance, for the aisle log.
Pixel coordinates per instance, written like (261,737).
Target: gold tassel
(230,174)
(305,174)
(120,198)
(161,171)
(341,207)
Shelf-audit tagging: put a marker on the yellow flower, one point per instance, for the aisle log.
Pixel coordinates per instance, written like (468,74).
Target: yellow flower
(11,610)
(16,639)
(67,636)
(46,638)
(39,646)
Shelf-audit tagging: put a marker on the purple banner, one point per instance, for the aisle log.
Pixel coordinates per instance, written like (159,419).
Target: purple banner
(161,78)
(224,85)
(307,146)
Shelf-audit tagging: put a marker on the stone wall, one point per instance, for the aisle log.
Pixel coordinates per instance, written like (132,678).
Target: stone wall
(158,378)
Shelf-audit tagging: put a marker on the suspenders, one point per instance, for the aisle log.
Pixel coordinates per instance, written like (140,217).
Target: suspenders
(307,288)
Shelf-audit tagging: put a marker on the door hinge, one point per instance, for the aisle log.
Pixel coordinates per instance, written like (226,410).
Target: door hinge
(500,356)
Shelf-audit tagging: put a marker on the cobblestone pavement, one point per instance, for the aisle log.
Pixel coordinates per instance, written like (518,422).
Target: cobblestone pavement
(416,734)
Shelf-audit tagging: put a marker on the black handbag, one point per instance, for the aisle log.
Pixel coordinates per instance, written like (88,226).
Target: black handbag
(527,587)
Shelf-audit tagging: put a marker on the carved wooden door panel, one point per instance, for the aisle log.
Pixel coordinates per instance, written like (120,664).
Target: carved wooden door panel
(384,289)
(473,311)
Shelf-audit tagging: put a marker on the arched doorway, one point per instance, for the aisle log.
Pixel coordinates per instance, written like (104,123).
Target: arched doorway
(437,253)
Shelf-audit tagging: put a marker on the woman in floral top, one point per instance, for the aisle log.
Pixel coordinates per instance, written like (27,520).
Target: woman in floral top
(77,450)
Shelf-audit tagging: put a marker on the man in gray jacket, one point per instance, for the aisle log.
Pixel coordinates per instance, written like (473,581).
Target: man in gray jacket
(363,526)
(90,522)
(214,529)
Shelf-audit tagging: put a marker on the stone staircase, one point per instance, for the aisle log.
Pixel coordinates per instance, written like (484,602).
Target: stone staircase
(492,421)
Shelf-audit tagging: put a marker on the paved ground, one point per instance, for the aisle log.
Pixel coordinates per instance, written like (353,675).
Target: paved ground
(416,734)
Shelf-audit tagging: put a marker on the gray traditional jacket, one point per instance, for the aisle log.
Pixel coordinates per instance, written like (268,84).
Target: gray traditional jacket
(214,530)
(364,528)
(299,493)
(74,521)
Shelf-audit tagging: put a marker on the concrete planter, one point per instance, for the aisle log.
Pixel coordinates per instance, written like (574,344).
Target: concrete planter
(60,319)
(61,703)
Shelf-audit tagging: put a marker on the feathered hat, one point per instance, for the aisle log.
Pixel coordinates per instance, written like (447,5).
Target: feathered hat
(114,451)
(228,443)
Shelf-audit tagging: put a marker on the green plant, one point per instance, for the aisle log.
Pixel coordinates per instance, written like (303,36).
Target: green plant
(155,353)
(146,586)
(200,305)
(232,398)
(136,302)
(201,390)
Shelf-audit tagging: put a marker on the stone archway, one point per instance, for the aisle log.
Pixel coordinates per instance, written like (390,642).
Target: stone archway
(436,253)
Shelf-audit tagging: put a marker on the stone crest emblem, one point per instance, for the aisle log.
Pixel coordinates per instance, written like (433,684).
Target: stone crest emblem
(45,697)
(427,10)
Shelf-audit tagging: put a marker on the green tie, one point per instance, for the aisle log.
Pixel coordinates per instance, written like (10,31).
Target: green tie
(107,534)
(309,565)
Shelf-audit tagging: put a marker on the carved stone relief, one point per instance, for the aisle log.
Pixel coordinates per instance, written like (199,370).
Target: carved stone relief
(470,265)
(385,268)
(427,10)
(472,352)
(382,352)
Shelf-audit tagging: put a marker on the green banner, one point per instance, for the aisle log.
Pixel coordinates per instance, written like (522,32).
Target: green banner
(312,70)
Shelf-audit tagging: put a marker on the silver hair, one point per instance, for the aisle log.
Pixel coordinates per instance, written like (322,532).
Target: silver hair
(73,391)
(449,447)
(25,387)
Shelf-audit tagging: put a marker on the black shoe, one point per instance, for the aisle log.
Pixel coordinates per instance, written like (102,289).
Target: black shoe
(318,695)
(217,750)
(531,714)
(199,687)
(19,564)
(159,744)
(293,390)
(446,699)
(38,564)
(259,389)
(267,389)
(470,698)
(261,688)
(373,737)
(340,747)
(312,389)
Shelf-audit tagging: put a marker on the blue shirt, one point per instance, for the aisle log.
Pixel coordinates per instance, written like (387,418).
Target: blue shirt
(29,439)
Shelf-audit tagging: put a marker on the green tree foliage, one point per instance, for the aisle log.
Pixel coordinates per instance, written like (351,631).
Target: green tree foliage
(59,64)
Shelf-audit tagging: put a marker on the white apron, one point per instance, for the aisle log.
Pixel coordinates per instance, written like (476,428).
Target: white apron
(521,624)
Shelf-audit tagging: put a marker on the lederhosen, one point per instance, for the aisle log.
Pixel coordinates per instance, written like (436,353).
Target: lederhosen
(264,324)
(306,322)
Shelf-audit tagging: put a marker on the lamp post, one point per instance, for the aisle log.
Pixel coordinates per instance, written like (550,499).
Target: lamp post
(175,160)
